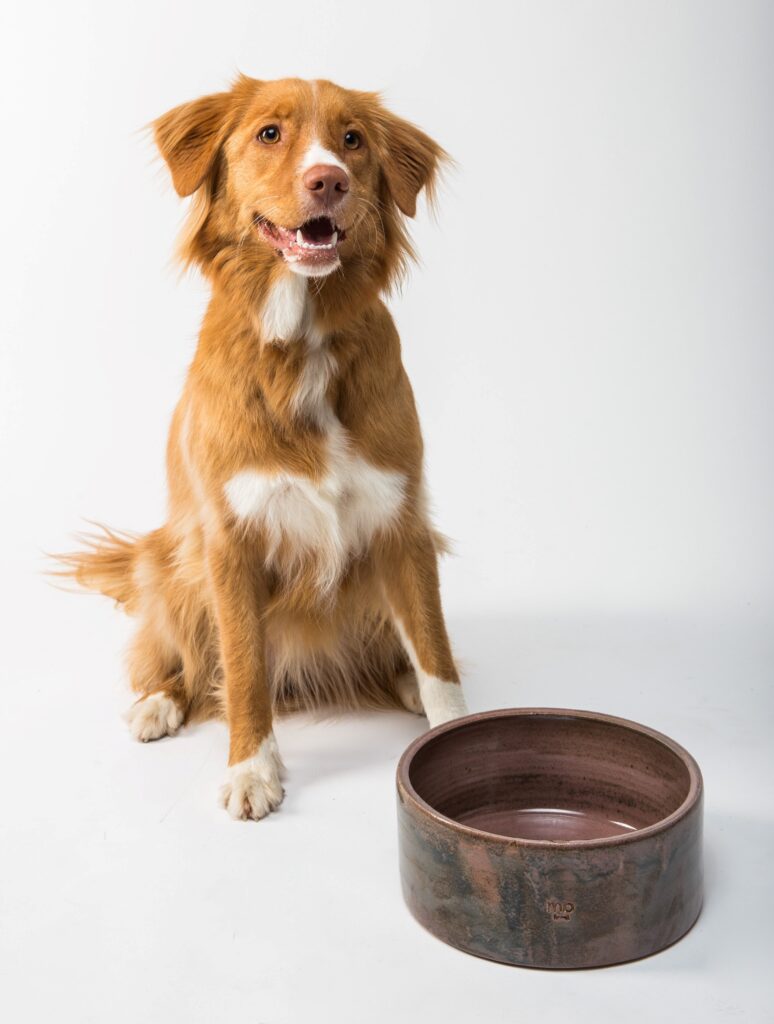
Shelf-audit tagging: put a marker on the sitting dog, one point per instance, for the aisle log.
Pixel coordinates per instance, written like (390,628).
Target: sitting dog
(298,566)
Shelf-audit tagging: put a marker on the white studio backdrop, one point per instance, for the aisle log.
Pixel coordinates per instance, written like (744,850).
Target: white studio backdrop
(589,336)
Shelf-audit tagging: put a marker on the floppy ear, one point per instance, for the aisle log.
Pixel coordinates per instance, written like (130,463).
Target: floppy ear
(189,136)
(410,161)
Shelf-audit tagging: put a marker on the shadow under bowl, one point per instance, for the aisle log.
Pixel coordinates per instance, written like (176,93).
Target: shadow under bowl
(551,838)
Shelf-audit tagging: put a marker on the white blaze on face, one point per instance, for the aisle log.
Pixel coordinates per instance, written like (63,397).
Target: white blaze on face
(318,154)
(310,257)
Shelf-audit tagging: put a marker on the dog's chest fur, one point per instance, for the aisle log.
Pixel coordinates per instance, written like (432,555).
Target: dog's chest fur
(325,521)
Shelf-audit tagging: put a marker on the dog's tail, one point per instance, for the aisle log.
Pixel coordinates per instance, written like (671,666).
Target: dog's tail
(104,564)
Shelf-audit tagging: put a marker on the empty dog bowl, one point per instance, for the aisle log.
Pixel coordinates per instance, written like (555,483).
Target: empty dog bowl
(551,838)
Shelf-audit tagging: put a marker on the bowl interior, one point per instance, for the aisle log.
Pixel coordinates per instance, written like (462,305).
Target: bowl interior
(549,776)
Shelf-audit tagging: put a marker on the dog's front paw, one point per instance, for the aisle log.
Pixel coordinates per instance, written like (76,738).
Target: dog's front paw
(254,786)
(442,701)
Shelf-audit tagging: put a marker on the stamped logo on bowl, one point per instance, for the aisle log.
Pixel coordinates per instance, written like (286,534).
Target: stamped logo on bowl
(560,911)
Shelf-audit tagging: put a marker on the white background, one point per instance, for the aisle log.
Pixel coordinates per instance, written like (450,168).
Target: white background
(590,340)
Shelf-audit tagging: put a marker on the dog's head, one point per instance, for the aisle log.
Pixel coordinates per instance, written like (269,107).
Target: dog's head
(306,173)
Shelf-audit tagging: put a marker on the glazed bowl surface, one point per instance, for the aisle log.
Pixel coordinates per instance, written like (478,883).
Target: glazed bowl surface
(549,837)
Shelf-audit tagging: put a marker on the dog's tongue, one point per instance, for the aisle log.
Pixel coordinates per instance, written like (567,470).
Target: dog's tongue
(318,231)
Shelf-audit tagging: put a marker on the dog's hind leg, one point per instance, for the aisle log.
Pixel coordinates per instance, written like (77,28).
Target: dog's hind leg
(173,659)
(158,714)
(155,671)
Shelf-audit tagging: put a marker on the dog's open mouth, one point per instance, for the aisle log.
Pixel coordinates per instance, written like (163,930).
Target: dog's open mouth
(315,241)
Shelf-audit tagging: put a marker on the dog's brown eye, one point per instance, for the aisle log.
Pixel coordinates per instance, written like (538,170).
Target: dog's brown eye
(352,140)
(270,134)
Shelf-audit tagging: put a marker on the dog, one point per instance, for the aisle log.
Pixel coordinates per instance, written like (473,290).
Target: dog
(298,567)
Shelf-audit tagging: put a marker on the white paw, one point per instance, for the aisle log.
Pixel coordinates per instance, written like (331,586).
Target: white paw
(442,701)
(407,688)
(154,716)
(254,785)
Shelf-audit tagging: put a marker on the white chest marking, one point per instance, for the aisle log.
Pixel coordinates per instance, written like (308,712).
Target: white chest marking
(331,520)
(285,311)
(310,396)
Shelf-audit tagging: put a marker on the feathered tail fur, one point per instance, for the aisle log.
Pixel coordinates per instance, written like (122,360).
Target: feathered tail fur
(105,564)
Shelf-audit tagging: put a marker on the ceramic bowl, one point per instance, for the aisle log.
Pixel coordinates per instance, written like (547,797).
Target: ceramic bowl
(551,838)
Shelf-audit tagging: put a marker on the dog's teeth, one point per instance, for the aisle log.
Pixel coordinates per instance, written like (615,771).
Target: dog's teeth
(316,246)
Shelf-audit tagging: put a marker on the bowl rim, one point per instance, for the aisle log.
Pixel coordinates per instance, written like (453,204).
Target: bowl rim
(409,794)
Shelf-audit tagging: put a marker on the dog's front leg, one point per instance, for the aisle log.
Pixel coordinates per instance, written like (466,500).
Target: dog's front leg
(414,597)
(253,787)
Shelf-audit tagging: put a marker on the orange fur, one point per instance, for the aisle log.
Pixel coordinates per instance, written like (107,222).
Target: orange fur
(236,612)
